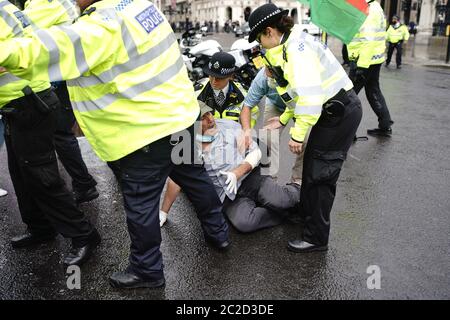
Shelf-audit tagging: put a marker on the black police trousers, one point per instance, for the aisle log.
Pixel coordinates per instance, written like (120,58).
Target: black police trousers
(325,153)
(370,80)
(143,176)
(261,203)
(66,144)
(46,206)
(398,56)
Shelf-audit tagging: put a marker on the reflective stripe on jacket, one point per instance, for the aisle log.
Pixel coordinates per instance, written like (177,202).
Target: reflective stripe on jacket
(45,13)
(314,76)
(12,24)
(126,78)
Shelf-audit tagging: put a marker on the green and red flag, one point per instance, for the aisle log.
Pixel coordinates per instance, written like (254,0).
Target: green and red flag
(339,18)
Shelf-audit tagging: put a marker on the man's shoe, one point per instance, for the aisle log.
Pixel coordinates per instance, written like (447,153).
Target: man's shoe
(301,246)
(86,196)
(222,246)
(387,65)
(380,132)
(29,239)
(78,256)
(399,67)
(128,280)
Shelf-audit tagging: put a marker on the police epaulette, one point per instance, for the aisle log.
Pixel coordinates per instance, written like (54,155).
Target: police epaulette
(88,11)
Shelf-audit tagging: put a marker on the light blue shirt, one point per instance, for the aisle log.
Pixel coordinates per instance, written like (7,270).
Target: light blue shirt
(259,89)
(224,155)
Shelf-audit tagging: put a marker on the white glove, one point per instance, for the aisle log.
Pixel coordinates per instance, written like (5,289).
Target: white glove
(162,217)
(231,181)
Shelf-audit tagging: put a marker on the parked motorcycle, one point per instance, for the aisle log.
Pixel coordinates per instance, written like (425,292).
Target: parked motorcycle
(248,61)
(196,57)
(190,38)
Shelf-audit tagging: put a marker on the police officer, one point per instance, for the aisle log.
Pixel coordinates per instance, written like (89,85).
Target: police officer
(396,34)
(264,85)
(366,54)
(142,106)
(318,93)
(28,110)
(42,14)
(222,94)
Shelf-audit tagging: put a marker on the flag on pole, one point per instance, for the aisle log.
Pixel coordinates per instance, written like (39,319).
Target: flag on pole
(339,18)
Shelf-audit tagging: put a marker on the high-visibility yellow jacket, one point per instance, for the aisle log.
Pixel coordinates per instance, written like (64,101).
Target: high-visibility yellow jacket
(396,34)
(127,81)
(12,23)
(314,76)
(369,44)
(233,104)
(47,13)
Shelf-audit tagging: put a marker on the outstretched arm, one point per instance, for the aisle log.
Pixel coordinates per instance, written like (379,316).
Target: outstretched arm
(60,52)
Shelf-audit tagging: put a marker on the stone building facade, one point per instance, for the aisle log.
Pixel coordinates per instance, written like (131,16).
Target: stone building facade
(222,10)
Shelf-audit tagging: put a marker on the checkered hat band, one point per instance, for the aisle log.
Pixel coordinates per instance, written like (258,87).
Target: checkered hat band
(224,71)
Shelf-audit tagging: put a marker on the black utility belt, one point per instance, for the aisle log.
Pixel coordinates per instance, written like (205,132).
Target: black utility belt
(336,105)
(28,92)
(30,97)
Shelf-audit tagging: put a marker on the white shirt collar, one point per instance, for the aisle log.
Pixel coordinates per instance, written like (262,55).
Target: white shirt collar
(225,91)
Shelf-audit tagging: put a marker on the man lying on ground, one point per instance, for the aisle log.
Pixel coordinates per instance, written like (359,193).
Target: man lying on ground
(251,201)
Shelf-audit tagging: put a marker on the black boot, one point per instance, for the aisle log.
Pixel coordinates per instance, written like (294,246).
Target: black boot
(86,195)
(79,255)
(301,246)
(28,239)
(380,132)
(221,246)
(128,280)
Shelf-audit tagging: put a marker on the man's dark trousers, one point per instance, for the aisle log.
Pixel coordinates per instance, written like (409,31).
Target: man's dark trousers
(398,56)
(261,202)
(370,80)
(143,176)
(327,147)
(66,144)
(46,206)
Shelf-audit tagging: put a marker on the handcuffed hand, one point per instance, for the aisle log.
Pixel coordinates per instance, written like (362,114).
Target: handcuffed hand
(231,181)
